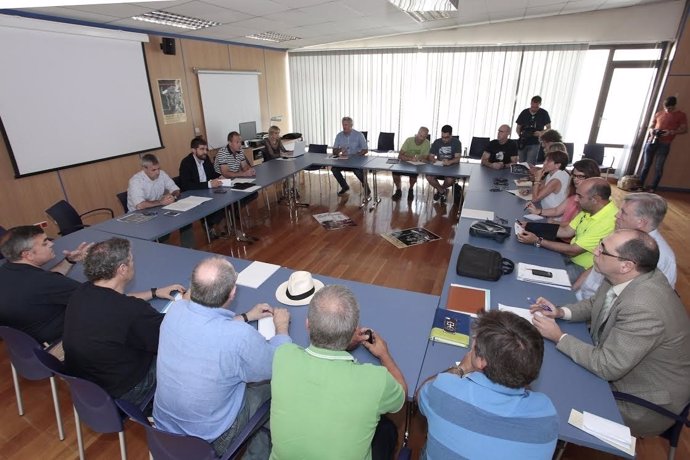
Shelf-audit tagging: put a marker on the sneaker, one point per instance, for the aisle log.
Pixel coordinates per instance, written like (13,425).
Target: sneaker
(343,190)
(436,195)
(410,195)
(397,195)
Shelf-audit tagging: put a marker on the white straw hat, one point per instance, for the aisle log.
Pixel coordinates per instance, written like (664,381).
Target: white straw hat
(298,289)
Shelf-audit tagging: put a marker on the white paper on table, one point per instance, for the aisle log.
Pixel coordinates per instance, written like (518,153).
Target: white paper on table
(477,214)
(559,276)
(185,204)
(177,297)
(522,183)
(267,327)
(532,217)
(416,163)
(256,273)
(518,228)
(226,182)
(521,312)
(517,193)
(612,433)
(244,180)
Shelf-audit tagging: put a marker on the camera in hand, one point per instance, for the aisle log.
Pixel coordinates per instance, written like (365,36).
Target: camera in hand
(656,134)
(526,133)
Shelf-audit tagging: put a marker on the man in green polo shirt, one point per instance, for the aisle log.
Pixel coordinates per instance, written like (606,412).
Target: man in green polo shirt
(596,220)
(415,148)
(324,404)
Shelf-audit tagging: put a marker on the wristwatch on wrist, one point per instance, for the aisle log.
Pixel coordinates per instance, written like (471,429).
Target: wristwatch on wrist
(538,242)
(153,293)
(244,317)
(70,261)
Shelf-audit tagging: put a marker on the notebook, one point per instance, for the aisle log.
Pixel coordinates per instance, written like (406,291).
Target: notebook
(543,229)
(468,300)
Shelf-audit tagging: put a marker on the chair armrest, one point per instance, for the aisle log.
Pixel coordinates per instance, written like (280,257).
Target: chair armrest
(648,405)
(112,214)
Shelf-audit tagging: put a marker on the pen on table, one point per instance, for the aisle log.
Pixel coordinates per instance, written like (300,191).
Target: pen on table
(542,305)
(528,204)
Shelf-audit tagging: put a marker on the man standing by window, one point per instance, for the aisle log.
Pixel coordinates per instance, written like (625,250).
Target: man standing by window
(531,123)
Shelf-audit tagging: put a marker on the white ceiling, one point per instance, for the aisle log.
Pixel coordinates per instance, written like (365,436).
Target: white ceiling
(318,22)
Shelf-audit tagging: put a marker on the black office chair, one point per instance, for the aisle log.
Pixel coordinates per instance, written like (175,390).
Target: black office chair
(478,146)
(570,148)
(68,219)
(386,142)
(673,433)
(594,152)
(365,134)
(177,181)
(318,148)
(122,196)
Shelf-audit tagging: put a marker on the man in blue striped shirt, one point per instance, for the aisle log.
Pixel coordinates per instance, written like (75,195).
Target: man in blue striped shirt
(481,408)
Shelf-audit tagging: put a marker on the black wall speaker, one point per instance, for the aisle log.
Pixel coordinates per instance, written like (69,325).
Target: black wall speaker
(168,45)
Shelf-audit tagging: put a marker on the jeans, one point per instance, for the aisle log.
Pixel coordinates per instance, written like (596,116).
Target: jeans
(143,390)
(385,440)
(338,174)
(658,152)
(259,446)
(529,154)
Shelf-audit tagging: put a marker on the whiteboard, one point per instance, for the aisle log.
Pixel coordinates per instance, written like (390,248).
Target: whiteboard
(228,99)
(68,97)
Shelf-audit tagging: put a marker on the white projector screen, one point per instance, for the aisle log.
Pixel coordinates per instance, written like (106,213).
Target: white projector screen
(228,99)
(68,98)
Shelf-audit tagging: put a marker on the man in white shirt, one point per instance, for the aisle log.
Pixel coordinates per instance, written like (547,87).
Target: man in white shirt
(151,186)
(639,211)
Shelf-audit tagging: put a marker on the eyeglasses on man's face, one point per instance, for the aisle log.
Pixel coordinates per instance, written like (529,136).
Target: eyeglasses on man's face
(604,252)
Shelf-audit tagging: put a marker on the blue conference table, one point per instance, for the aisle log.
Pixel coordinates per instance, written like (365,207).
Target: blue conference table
(402,318)
(566,383)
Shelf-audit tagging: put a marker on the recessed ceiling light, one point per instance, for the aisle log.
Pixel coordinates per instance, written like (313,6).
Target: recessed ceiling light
(427,10)
(175,20)
(272,37)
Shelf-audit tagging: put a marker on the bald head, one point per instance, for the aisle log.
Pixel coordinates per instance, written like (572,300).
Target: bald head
(637,247)
(213,282)
(503,133)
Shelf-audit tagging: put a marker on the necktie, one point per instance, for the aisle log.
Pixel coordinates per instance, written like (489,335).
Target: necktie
(603,316)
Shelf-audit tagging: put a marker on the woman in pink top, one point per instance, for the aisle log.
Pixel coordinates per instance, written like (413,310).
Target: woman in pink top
(583,169)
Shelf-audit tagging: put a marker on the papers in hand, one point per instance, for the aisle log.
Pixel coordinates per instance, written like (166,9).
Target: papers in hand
(267,327)
(523,182)
(559,278)
(185,204)
(532,217)
(612,433)
(518,194)
(255,274)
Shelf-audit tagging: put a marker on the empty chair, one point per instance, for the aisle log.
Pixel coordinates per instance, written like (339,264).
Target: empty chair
(679,420)
(318,148)
(594,152)
(478,146)
(570,149)
(20,347)
(68,219)
(122,196)
(386,142)
(91,404)
(171,446)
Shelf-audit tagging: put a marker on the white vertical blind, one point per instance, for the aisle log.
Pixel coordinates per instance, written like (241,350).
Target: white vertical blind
(398,90)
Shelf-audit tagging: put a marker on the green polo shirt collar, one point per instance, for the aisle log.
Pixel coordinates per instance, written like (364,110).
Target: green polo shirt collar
(331,355)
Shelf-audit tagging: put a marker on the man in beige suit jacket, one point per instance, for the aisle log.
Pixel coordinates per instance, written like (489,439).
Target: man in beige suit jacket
(639,327)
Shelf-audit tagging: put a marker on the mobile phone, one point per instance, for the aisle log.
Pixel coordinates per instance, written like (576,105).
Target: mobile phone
(220,190)
(543,273)
(172,213)
(150,213)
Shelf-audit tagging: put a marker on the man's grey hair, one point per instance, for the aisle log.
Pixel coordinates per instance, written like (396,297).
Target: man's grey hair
(149,159)
(648,206)
(639,248)
(348,119)
(213,280)
(17,240)
(104,258)
(333,317)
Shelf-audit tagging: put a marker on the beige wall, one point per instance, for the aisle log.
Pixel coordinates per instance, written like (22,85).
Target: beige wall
(95,185)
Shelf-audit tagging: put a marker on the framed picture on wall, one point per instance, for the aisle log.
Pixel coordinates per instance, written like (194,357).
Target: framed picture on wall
(172,102)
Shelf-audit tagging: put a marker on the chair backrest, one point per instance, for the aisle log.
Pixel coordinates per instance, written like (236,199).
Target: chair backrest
(168,446)
(66,217)
(20,347)
(95,407)
(365,134)
(594,152)
(386,141)
(570,148)
(291,136)
(177,181)
(318,148)
(477,147)
(122,196)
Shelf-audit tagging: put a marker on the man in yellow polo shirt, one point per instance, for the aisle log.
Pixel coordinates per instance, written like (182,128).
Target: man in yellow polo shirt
(324,404)
(596,220)
(414,148)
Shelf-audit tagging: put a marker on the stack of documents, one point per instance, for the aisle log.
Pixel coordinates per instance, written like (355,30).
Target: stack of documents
(521,312)
(477,214)
(611,433)
(185,204)
(559,278)
(256,273)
